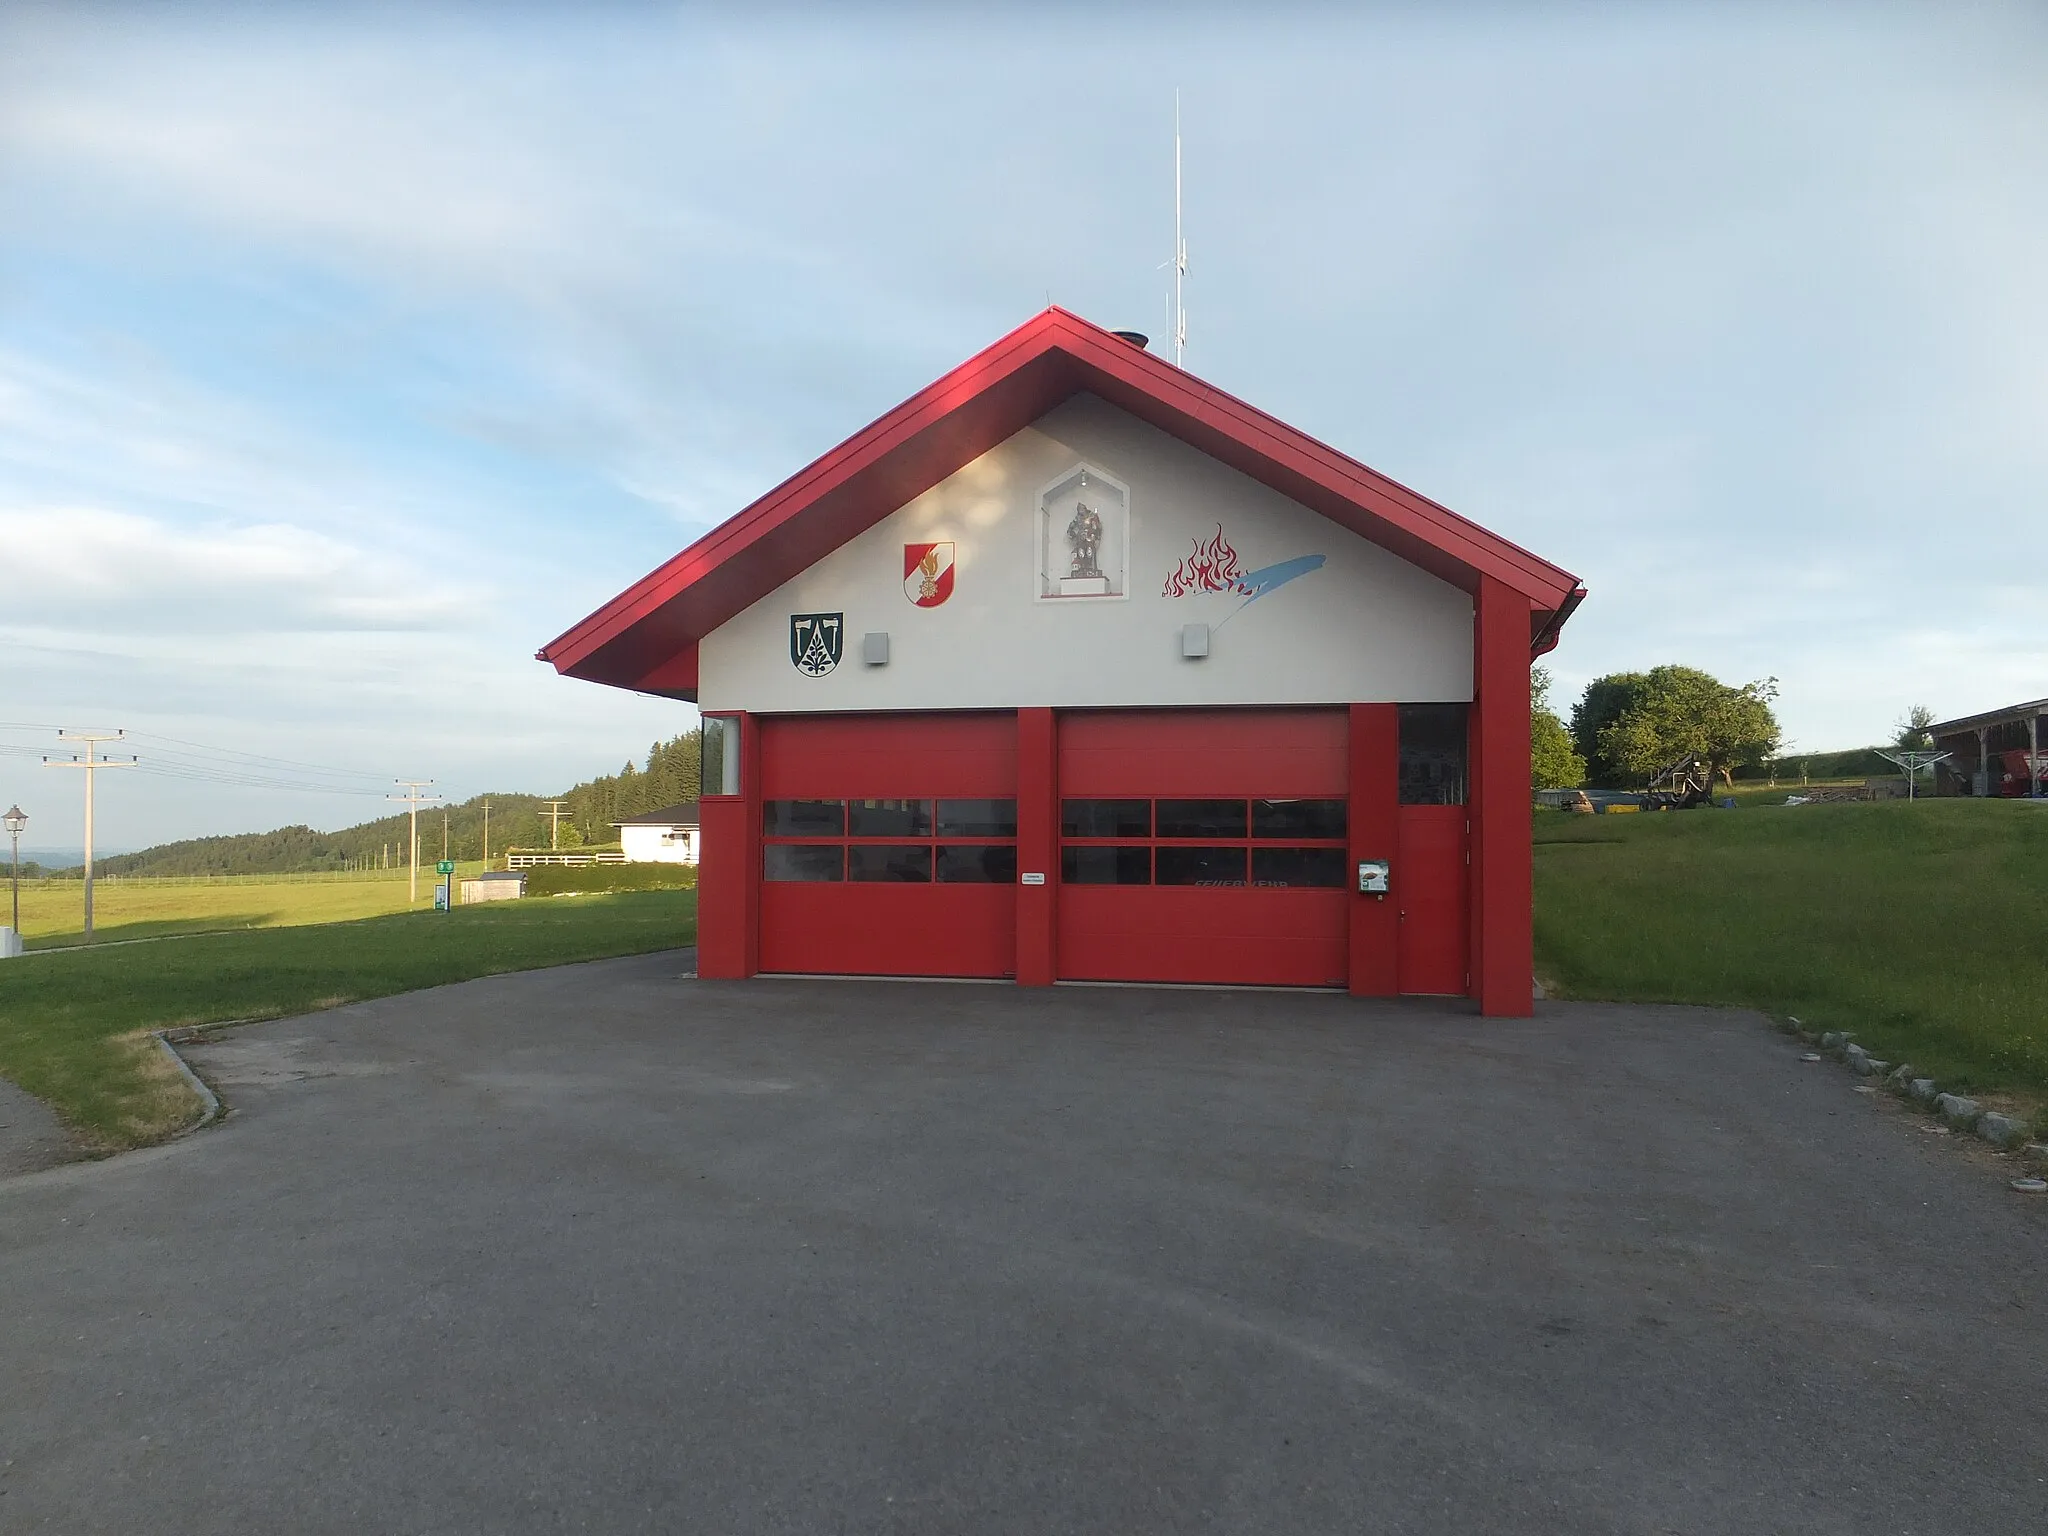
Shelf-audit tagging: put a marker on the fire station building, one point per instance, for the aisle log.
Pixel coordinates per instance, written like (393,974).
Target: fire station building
(1075,668)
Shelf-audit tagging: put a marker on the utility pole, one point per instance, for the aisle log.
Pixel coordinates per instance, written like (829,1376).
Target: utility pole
(413,801)
(487,832)
(555,812)
(91,763)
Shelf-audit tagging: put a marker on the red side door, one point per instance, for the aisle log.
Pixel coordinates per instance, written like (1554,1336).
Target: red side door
(1429,888)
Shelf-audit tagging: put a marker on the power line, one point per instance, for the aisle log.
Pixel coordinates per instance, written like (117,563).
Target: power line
(176,757)
(218,765)
(257,757)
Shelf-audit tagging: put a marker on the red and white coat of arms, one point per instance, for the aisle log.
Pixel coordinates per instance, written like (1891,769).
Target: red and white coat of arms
(928,573)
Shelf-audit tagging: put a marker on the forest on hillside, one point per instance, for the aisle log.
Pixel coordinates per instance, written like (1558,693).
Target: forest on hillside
(669,776)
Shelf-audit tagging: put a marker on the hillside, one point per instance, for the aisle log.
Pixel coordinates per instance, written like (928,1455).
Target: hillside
(670,775)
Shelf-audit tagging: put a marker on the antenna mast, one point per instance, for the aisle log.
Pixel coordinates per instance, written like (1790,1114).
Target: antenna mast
(1180,247)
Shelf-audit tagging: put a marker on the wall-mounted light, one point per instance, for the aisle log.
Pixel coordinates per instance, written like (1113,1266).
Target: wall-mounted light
(1194,641)
(874,648)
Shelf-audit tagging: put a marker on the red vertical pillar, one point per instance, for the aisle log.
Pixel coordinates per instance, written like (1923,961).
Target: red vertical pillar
(1503,898)
(750,873)
(1374,792)
(1038,845)
(729,870)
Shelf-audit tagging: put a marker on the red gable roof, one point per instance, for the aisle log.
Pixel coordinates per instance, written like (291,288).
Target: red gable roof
(646,637)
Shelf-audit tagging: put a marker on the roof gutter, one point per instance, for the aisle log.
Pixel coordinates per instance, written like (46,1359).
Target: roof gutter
(1546,638)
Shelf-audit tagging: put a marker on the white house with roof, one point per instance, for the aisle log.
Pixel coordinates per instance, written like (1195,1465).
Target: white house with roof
(665,836)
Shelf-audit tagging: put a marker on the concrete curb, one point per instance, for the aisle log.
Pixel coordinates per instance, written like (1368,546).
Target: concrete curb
(207,1096)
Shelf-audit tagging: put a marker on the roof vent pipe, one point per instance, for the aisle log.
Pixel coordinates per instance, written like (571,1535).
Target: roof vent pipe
(1137,339)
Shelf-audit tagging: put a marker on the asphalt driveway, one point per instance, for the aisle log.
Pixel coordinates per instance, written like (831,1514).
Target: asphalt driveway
(606,1249)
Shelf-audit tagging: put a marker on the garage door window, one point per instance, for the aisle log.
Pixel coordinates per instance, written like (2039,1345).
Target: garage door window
(909,841)
(899,862)
(888,818)
(1270,843)
(1105,866)
(804,818)
(805,861)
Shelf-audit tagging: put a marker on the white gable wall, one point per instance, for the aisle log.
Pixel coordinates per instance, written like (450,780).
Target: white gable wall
(659,845)
(1365,627)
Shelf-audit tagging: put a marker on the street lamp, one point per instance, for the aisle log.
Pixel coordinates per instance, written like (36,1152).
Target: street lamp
(15,819)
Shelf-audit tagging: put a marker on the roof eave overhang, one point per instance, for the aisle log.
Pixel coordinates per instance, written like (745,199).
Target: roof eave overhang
(646,638)
(1989,718)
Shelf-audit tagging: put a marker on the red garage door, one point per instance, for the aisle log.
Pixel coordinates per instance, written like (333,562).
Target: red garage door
(1203,845)
(889,844)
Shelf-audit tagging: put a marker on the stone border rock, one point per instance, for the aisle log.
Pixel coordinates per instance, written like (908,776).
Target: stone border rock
(2006,1132)
(207,1097)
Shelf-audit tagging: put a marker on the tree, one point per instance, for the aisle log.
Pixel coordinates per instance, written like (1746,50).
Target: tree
(1912,733)
(1605,701)
(671,776)
(1681,711)
(1552,762)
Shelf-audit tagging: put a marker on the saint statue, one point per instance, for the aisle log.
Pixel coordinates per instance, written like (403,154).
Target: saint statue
(1084,532)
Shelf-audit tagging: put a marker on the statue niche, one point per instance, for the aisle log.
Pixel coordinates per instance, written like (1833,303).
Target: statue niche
(1084,536)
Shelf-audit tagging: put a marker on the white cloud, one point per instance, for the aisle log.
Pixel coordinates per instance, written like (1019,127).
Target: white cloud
(100,572)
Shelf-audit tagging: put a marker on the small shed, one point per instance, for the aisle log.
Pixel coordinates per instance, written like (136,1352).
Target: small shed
(666,836)
(496,885)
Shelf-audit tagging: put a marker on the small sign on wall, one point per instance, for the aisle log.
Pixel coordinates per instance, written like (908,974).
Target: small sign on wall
(1031,877)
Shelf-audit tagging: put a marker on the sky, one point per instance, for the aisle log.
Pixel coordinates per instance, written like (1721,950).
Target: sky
(348,355)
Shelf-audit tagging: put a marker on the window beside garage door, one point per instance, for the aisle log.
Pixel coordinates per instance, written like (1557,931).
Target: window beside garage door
(1271,844)
(890,841)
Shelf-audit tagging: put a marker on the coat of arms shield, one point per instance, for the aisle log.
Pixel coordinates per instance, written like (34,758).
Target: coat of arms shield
(816,641)
(928,573)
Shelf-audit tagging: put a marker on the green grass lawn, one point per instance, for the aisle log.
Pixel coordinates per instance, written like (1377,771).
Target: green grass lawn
(53,911)
(73,1027)
(1922,929)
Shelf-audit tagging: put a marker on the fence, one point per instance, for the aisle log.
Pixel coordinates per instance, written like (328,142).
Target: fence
(569,860)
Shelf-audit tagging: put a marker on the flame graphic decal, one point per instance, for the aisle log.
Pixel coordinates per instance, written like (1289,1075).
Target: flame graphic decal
(1213,567)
